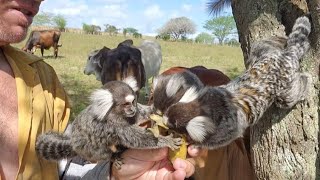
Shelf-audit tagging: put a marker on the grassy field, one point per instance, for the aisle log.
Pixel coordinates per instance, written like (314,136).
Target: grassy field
(75,47)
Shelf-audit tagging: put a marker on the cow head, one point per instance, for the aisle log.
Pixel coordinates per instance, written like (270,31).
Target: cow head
(94,62)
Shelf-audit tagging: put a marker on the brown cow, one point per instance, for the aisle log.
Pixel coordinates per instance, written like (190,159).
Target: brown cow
(44,40)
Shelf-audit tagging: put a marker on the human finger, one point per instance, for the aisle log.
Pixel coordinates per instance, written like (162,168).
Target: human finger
(187,165)
(146,154)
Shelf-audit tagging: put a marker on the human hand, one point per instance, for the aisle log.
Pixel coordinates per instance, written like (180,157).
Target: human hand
(154,165)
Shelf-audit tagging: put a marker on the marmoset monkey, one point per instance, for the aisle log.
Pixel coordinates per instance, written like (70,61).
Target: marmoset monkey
(215,116)
(107,123)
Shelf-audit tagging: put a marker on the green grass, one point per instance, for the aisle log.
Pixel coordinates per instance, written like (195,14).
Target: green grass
(75,48)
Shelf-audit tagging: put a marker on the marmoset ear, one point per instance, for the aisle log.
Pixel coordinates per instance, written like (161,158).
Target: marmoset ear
(199,127)
(132,82)
(102,102)
(174,84)
(190,95)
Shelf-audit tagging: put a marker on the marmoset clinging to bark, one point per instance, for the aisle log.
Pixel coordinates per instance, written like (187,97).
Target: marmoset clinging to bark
(215,116)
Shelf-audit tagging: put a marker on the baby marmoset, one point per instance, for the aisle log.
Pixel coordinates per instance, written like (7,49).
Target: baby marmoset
(108,122)
(215,116)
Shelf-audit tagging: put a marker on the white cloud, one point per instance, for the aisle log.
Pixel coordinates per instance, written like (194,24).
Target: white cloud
(114,11)
(70,11)
(153,12)
(187,7)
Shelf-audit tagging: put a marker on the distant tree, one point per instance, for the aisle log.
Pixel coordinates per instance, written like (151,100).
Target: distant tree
(91,29)
(221,27)
(178,27)
(164,37)
(43,19)
(124,32)
(60,22)
(137,35)
(96,29)
(131,30)
(111,29)
(204,38)
(232,42)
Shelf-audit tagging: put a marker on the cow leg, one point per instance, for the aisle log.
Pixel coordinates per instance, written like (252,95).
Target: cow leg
(42,49)
(55,52)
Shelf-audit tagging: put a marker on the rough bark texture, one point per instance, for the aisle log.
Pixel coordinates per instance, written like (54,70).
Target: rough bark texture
(284,144)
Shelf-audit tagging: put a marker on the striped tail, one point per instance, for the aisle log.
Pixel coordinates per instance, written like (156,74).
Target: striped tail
(54,146)
(298,43)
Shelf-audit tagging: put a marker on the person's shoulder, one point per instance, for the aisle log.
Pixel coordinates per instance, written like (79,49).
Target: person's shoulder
(19,55)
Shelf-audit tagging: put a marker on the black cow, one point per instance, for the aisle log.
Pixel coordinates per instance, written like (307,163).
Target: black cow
(116,64)
(44,40)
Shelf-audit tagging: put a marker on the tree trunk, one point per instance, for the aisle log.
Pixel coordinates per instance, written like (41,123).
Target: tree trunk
(284,144)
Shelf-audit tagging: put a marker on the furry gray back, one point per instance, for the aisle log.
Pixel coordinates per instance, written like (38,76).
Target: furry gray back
(215,116)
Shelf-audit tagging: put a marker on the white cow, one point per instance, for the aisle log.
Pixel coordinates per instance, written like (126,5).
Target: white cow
(151,57)
(93,65)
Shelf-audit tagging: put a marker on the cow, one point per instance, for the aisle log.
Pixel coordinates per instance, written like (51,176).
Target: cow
(116,64)
(127,42)
(151,57)
(209,77)
(44,39)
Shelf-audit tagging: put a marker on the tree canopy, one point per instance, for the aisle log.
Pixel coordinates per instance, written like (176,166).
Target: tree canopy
(43,19)
(221,27)
(49,19)
(91,29)
(111,29)
(60,22)
(205,38)
(178,28)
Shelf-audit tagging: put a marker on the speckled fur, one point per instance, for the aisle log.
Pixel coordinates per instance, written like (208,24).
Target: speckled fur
(221,114)
(97,136)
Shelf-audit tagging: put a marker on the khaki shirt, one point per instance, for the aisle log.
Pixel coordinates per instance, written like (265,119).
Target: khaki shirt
(42,106)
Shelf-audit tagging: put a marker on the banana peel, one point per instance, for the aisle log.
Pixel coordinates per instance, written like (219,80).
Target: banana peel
(160,128)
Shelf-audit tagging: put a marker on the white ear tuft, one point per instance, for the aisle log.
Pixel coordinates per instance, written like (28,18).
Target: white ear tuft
(132,82)
(174,85)
(102,101)
(199,127)
(155,82)
(190,95)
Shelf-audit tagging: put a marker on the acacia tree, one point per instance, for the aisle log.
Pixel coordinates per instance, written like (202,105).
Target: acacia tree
(284,144)
(221,27)
(91,29)
(130,30)
(204,38)
(60,22)
(111,29)
(43,19)
(178,27)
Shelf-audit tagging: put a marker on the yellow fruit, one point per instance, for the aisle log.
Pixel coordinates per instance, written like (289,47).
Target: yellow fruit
(179,153)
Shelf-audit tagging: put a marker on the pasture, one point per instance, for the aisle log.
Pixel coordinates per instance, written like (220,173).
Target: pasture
(75,47)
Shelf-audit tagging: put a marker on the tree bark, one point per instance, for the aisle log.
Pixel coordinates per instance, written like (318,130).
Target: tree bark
(285,143)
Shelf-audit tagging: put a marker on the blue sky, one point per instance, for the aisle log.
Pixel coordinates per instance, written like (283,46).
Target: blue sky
(145,15)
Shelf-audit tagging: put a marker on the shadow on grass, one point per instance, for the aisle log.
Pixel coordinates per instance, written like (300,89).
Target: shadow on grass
(78,93)
(52,57)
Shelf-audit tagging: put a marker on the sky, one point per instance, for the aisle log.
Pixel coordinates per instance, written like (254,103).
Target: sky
(147,16)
